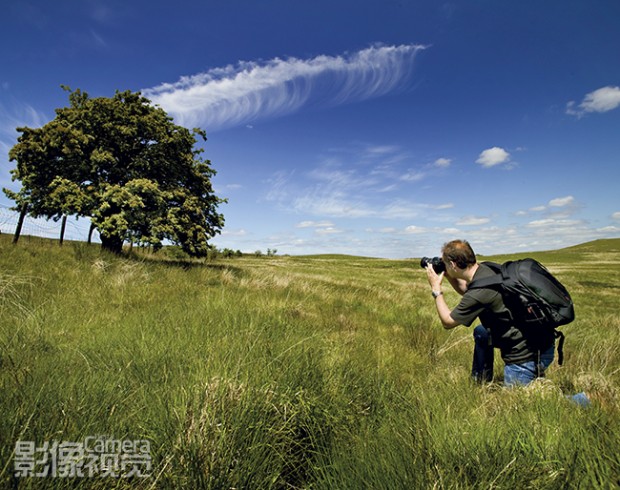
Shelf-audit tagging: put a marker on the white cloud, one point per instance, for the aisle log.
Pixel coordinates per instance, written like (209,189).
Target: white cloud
(616,215)
(472,221)
(279,186)
(443,162)
(99,40)
(549,222)
(602,100)
(413,176)
(19,115)
(415,229)
(493,156)
(236,95)
(381,150)
(314,224)
(330,230)
(236,233)
(609,229)
(319,202)
(561,201)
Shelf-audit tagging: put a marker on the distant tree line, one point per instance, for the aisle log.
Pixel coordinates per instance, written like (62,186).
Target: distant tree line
(216,253)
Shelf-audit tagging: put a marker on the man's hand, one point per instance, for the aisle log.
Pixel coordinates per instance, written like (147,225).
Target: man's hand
(434,279)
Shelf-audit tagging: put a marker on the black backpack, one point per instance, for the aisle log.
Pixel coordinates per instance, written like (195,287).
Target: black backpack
(537,301)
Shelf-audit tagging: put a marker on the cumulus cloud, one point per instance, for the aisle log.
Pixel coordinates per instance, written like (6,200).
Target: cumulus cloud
(602,100)
(236,95)
(616,215)
(493,156)
(561,201)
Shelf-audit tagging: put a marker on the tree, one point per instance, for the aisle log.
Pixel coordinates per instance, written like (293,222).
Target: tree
(122,162)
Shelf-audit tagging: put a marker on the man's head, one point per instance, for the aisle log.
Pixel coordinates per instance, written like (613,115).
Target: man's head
(459,253)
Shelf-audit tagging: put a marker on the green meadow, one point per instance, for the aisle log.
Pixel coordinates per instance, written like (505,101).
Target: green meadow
(321,372)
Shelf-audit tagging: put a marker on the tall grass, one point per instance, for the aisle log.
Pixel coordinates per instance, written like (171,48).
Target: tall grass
(294,372)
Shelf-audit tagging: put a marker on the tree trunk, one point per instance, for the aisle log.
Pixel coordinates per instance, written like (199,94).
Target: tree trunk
(62,229)
(90,232)
(113,244)
(20,222)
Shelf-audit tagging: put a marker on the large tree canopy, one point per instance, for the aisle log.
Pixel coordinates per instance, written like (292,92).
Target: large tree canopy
(126,165)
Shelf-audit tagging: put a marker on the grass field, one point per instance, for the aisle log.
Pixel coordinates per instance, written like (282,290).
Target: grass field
(323,372)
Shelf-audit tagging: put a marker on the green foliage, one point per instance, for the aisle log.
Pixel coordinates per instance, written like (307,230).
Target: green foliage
(294,372)
(123,163)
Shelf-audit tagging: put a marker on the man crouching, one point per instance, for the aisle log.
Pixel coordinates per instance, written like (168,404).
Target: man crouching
(523,362)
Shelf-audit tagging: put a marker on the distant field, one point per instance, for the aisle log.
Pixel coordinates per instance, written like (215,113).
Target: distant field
(323,372)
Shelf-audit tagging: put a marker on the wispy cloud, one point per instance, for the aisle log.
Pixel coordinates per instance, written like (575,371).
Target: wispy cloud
(443,162)
(238,94)
(100,42)
(315,224)
(472,221)
(17,115)
(549,222)
(364,181)
(329,230)
(602,100)
(12,117)
(557,208)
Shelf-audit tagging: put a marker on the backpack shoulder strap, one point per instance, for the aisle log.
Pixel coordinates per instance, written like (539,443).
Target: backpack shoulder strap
(491,281)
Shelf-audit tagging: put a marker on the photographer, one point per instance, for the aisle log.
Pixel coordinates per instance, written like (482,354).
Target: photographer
(525,358)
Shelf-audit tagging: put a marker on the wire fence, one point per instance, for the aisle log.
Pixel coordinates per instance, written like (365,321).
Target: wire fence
(76,229)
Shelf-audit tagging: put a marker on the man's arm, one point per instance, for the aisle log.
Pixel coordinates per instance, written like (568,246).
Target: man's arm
(459,285)
(442,307)
(444,313)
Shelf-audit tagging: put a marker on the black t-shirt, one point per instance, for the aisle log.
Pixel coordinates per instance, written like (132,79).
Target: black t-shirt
(515,345)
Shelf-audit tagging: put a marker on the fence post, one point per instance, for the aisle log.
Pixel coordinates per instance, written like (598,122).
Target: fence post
(62,229)
(20,222)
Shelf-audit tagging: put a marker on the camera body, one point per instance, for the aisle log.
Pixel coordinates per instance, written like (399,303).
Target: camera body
(436,262)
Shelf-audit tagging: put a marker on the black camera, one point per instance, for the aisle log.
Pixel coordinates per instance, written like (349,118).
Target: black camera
(436,262)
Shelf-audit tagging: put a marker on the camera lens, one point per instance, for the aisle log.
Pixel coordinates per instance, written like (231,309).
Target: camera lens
(436,262)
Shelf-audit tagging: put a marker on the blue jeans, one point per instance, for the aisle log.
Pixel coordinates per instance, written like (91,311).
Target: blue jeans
(514,374)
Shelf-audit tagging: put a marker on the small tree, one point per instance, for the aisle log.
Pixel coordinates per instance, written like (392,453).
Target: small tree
(126,165)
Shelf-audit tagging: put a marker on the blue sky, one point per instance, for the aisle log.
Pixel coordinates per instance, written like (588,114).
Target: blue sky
(375,128)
